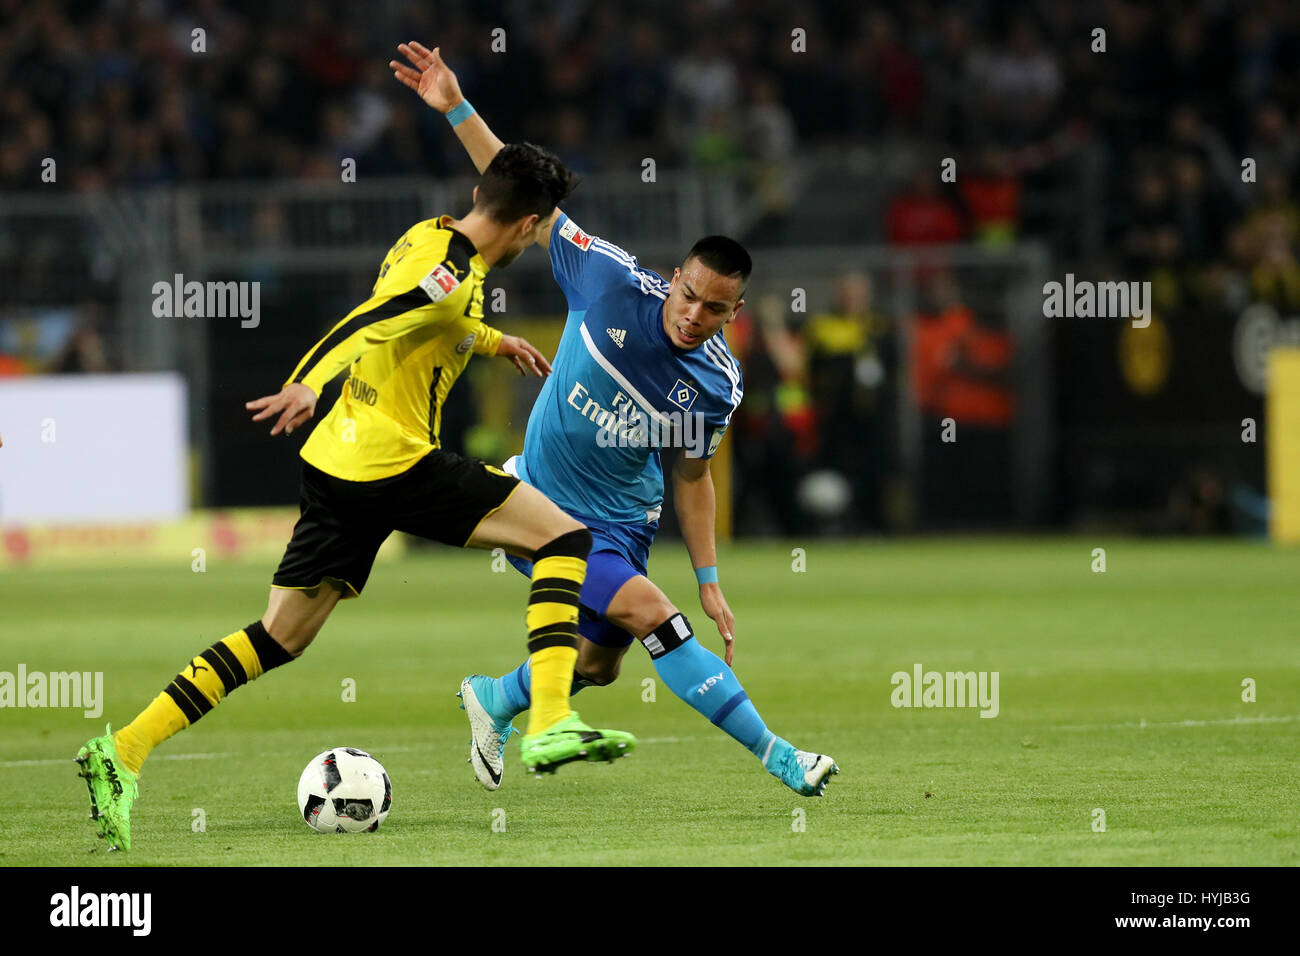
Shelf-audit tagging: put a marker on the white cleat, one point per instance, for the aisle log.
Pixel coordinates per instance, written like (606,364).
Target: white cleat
(487,745)
(817,772)
(804,772)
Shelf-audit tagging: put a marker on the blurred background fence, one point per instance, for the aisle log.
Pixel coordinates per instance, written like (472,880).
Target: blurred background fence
(854,354)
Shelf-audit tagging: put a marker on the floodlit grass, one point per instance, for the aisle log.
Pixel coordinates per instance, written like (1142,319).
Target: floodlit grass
(1119,691)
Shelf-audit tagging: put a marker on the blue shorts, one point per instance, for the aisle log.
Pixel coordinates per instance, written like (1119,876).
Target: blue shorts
(619,552)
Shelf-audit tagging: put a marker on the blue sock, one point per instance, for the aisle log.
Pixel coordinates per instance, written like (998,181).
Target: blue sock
(703,680)
(513,693)
(508,696)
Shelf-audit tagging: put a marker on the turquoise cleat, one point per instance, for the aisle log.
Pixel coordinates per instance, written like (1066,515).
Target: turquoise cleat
(803,772)
(488,736)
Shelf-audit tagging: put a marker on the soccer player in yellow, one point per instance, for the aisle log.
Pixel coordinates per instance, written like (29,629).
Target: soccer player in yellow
(373,465)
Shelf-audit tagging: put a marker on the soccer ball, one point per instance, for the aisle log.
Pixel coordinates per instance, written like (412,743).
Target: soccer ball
(344,790)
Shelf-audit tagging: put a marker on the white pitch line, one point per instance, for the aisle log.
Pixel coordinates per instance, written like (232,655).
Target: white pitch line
(400,748)
(407,748)
(51,761)
(1144,724)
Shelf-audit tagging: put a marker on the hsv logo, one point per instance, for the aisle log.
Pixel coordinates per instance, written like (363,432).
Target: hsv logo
(618,335)
(575,235)
(709,684)
(439,283)
(682,395)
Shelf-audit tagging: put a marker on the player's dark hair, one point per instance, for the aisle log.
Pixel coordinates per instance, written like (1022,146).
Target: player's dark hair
(523,180)
(724,256)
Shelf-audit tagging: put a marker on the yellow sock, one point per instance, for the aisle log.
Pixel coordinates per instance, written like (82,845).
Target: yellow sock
(552,675)
(206,680)
(552,619)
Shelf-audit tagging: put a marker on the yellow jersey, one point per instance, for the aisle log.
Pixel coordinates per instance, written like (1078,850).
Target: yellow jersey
(405,346)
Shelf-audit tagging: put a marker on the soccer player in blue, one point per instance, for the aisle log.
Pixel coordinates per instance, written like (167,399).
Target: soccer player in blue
(642,364)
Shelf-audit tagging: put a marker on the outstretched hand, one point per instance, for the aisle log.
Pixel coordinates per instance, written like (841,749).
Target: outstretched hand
(431,78)
(295,403)
(524,355)
(715,606)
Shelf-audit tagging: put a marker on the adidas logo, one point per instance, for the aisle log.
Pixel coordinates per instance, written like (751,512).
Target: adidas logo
(618,335)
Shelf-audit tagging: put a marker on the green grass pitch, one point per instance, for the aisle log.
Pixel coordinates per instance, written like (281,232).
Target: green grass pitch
(1119,691)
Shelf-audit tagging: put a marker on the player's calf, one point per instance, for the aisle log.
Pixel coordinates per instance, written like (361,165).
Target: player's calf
(202,684)
(294,617)
(552,618)
(597,666)
(111,764)
(705,682)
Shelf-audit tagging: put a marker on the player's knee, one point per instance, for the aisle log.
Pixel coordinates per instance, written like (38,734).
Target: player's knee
(600,673)
(571,544)
(650,615)
(293,636)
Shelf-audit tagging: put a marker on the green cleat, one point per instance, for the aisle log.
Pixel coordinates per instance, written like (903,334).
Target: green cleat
(571,740)
(112,787)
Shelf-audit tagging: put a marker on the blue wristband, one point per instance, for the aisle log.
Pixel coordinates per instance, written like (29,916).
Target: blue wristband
(707,575)
(459,113)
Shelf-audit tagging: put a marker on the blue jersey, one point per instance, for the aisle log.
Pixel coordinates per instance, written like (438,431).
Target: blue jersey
(620,389)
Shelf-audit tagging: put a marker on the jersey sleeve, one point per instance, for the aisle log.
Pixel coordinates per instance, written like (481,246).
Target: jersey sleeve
(425,290)
(586,266)
(486,339)
(726,395)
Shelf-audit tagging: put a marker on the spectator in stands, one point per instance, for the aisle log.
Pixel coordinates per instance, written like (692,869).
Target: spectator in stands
(922,216)
(850,378)
(775,436)
(705,83)
(1019,83)
(960,366)
(769,142)
(948,80)
(1274,200)
(1274,144)
(639,89)
(1197,212)
(1189,135)
(1149,211)
(961,377)
(1275,277)
(991,194)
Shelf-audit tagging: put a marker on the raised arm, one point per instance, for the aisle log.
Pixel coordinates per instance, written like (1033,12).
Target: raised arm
(436,84)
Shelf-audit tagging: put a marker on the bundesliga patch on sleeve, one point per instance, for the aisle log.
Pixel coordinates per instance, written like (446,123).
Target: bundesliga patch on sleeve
(575,235)
(439,283)
(715,441)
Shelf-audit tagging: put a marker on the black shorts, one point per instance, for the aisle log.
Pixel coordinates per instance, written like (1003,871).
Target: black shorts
(443,497)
